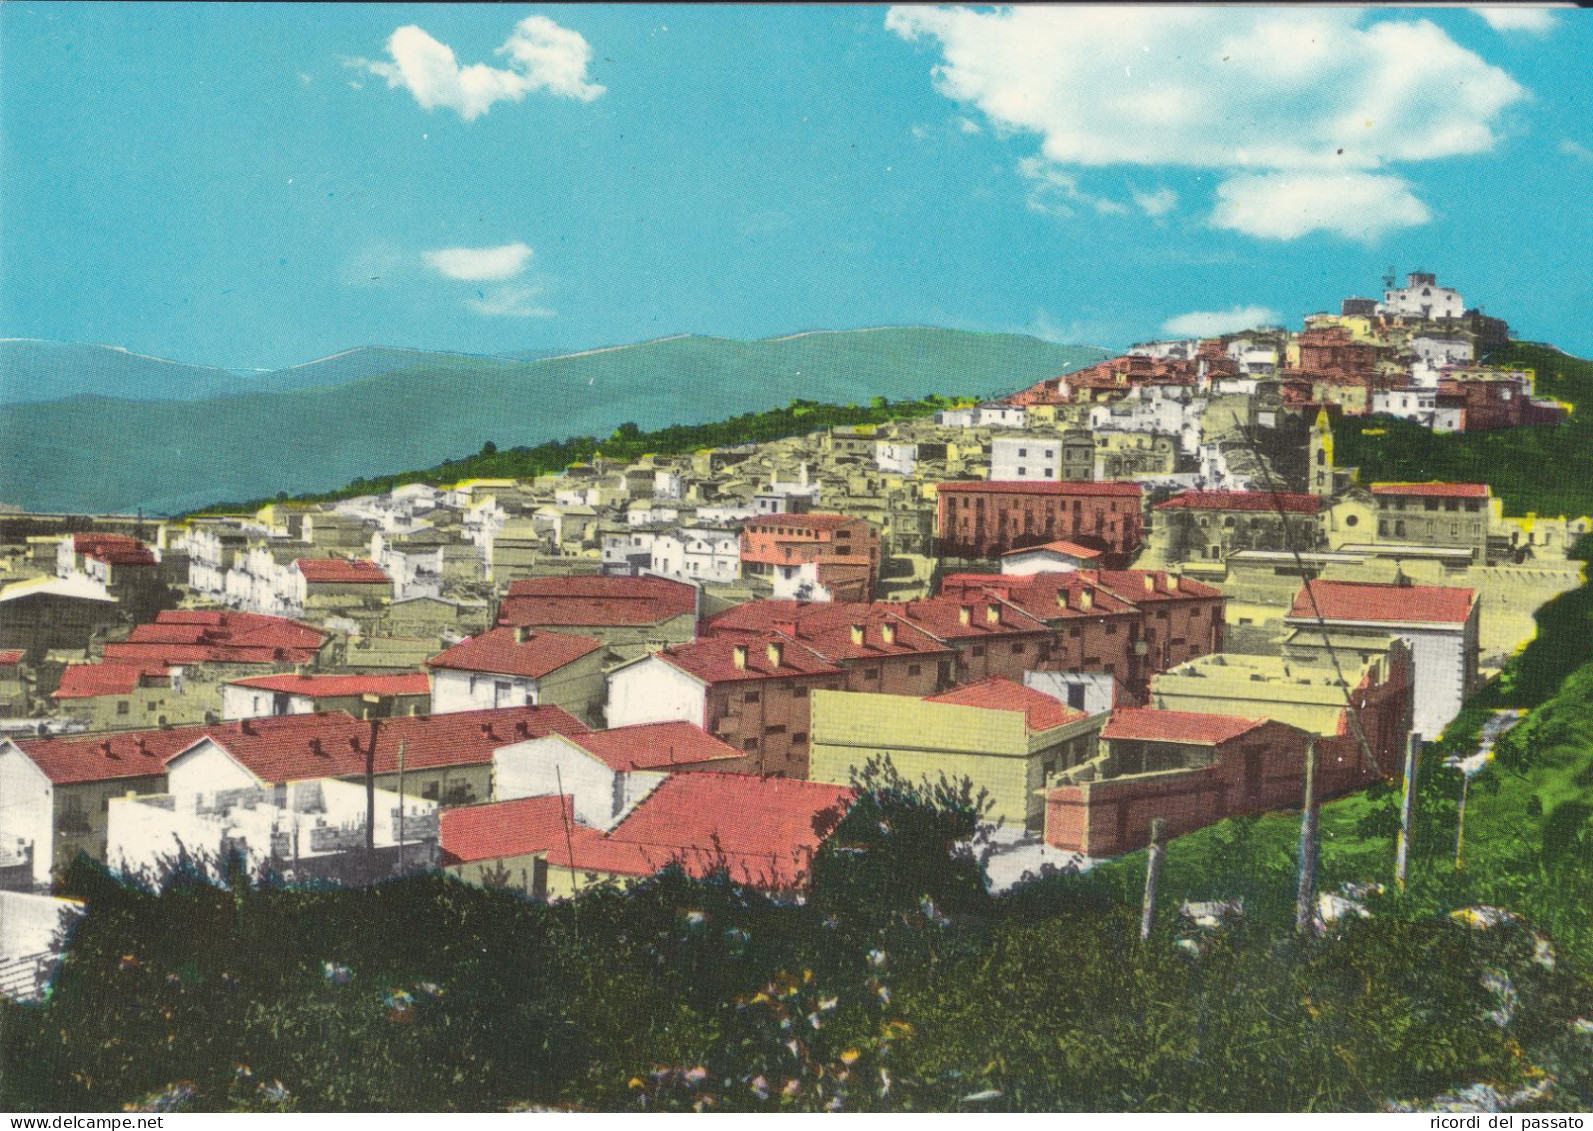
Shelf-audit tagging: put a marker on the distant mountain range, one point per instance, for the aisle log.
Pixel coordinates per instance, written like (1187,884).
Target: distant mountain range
(33,371)
(376,410)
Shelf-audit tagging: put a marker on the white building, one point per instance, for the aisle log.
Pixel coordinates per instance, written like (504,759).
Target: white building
(1422,297)
(957,417)
(1053,557)
(895,456)
(1419,405)
(799,582)
(510,667)
(1251,359)
(653,690)
(1028,458)
(698,553)
(1001,416)
(1182,349)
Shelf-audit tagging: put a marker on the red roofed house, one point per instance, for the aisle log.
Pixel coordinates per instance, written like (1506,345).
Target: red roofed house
(262,696)
(748,679)
(1189,769)
(1360,618)
(631,615)
(608,771)
(1007,739)
(512,667)
(1450,515)
(1207,526)
(128,569)
(1053,557)
(763,832)
(446,758)
(823,557)
(331,586)
(54,792)
(980,519)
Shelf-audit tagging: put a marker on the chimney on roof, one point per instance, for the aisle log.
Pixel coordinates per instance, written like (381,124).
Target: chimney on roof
(522,633)
(1150,582)
(105,748)
(992,614)
(789,627)
(965,615)
(143,746)
(301,670)
(1062,599)
(315,747)
(738,657)
(775,653)
(1086,599)
(486,731)
(1172,583)
(887,632)
(246,725)
(858,635)
(522,728)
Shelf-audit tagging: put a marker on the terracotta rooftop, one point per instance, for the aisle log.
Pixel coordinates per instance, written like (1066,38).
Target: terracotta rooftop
(298,747)
(942,617)
(1041,712)
(800,521)
(10,657)
(340,571)
(107,757)
(500,651)
(763,830)
(1394,604)
(596,601)
(504,828)
(332,686)
(88,681)
(654,746)
(1145,724)
(1071,549)
(199,636)
(826,627)
(712,658)
(1270,501)
(1433,490)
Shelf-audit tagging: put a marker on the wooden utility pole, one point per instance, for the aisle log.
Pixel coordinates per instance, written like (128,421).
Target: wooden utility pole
(1153,867)
(1460,823)
(400,807)
(370,790)
(1305,888)
(569,847)
(1407,810)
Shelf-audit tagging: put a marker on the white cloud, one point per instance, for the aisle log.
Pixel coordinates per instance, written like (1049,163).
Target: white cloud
(479,264)
(542,57)
(1575,149)
(1235,89)
(1052,191)
(1538,21)
(509,302)
(1155,204)
(969,126)
(1285,206)
(1210,323)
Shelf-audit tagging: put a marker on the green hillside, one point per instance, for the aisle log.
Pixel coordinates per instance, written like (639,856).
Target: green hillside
(98,454)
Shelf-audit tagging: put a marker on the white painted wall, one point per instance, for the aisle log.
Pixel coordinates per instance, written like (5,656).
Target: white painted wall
(1096,688)
(206,767)
(1025,459)
(34,924)
(654,691)
(453,691)
(27,809)
(1038,561)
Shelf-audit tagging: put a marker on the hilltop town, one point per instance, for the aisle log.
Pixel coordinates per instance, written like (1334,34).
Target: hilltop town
(1141,591)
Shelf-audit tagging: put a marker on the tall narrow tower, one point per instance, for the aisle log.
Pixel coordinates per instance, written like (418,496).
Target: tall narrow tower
(1319,456)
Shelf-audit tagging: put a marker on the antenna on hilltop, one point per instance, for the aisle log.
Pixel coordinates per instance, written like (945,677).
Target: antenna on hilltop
(1391,278)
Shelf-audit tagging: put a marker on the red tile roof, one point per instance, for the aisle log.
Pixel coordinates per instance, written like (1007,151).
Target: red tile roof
(113,549)
(761,829)
(595,601)
(654,746)
(340,571)
(826,627)
(298,747)
(941,617)
(711,659)
(1270,501)
(1394,604)
(199,636)
(1071,549)
(499,652)
(333,686)
(1433,490)
(1116,488)
(1036,593)
(504,828)
(1145,724)
(107,757)
(1129,584)
(1041,712)
(10,657)
(87,681)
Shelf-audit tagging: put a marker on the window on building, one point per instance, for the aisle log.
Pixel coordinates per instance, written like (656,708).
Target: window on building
(978,650)
(913,669)
(799,738)
(799,693)
(751,697)
(776,728)
(871,673)
(750,744)
(1111,628)
(122,708)
(1017,649)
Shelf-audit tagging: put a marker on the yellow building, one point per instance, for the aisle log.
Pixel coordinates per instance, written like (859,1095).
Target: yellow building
(1007,739)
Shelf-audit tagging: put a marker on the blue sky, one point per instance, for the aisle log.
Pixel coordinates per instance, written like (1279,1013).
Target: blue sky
(255,186)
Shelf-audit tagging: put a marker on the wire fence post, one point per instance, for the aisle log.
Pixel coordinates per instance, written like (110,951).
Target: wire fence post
(1305,888)
(1407,810)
